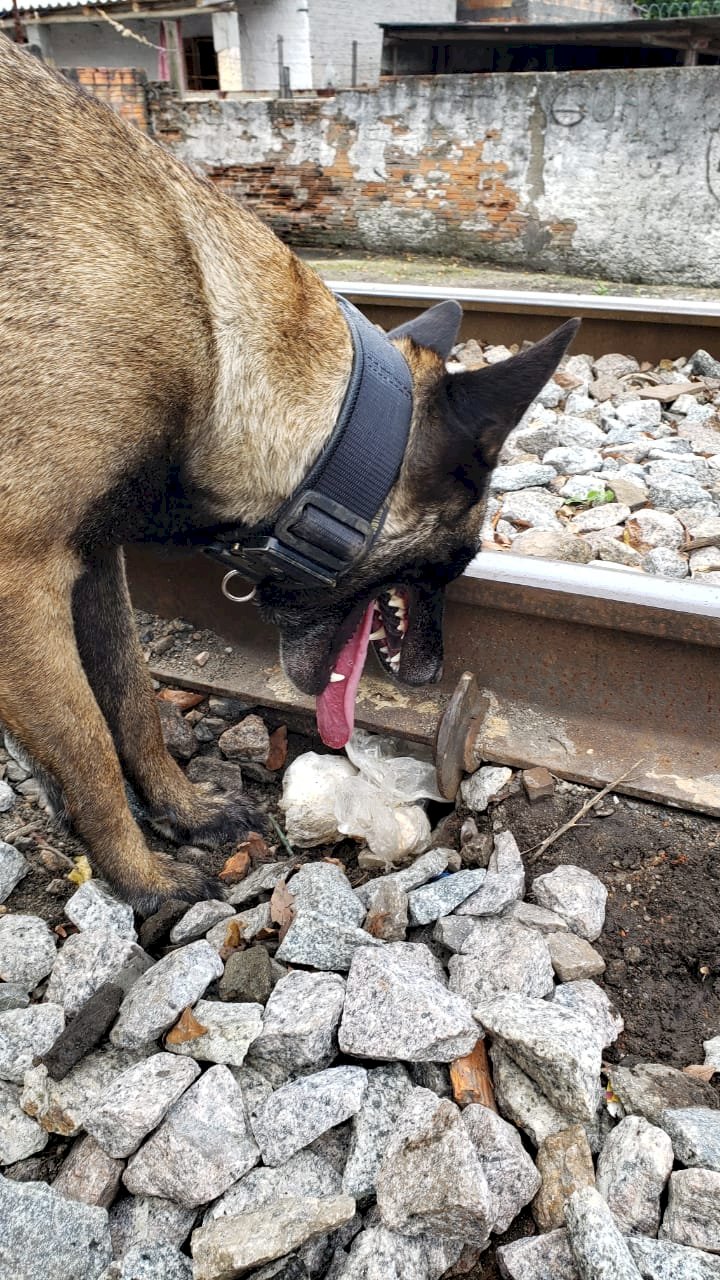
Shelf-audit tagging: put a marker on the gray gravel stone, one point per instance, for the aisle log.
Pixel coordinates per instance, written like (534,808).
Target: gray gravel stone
(201,1148)
(152,1262)
(695,1136)
(230,1030)
(388,917)
(674,491)
(712,1052)
(442,896)
(539,918)
(551,544)
(324,889)
(504,882)
(481,788)
(299,1028)
(13,866)
(60,1105)
(26,1034)
(250,976)
(534,507)
(87,960)
(199,919)
(47,1237)
(135,1103)
(650,1088)
(156,1000)
(576,895)
(665,563)
(322,943)
(500,955)
(573,460)
(20,1136)
(603,517)
(7,800)
(656,529)
(88,1174)
(304,1174)
(92,906)
(262,880)
(552,1045)
(231,1246)
(300,1111)
(692,1216)
(381,1254)
(453,931)
(573,958)
(633,1168)
(599,1250)
(520,475)
(522,1102)
(640,413)
(372,1127)
(27,950)
(588,1000)
(511,1175)
(148,1219)
(662,1260)
(547,1257)
(397,1008)
(424,868)
(13,996)
(431,1179)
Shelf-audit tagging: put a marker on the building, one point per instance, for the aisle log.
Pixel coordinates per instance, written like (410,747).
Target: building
(218,46)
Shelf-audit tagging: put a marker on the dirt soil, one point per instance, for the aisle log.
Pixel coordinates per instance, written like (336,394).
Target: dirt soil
(661,941)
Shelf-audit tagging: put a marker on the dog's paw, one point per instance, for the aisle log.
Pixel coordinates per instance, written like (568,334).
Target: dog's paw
(175,881)
(214,818)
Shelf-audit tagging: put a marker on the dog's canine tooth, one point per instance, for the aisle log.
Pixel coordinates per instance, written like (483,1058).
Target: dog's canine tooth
(394,661)
(396,602)
(380,634)
(336,677)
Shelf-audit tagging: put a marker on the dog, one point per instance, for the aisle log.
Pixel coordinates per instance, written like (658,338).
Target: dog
(171,372)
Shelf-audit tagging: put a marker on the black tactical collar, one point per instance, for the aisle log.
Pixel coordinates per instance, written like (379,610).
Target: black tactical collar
(331,521)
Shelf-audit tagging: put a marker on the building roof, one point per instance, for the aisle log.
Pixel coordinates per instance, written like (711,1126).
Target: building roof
(672,33)
(40,6)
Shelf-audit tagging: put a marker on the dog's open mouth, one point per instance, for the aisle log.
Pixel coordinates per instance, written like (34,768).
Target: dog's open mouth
(384,623)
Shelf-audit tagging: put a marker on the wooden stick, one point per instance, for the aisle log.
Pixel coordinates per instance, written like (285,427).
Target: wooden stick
(537,850)
(471,1079)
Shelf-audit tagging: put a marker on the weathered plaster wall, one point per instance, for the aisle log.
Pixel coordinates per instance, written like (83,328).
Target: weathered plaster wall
(611,174)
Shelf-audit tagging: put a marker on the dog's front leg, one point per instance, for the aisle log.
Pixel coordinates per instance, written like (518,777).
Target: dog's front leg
(47,704)
(112,658)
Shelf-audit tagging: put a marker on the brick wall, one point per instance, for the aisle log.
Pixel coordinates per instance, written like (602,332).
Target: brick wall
(124,89)
(614,175)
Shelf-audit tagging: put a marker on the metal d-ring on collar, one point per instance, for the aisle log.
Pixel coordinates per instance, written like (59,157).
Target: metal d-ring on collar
(330,522)
(229,595)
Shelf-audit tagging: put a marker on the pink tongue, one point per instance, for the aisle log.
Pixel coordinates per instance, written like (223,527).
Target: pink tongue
(335,706)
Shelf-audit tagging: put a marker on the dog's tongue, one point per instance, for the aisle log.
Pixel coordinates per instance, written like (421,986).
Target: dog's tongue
(335,706)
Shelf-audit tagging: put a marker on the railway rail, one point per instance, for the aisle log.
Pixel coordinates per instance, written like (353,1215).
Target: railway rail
(600,675)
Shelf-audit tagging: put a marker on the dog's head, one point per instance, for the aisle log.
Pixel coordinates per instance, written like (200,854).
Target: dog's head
(393,598)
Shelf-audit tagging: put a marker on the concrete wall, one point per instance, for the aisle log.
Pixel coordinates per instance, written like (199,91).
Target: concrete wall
(611,174)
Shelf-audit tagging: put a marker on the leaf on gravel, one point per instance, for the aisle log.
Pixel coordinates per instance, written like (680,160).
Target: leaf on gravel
(81,872)
(282,907)
(256,847)
(234,940)
(183,699)
(277,755)
(236,867)
(186,1028)
(700,1072)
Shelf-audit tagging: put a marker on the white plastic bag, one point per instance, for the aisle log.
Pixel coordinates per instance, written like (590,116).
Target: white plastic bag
(308,798)
(402,778)
(393,832)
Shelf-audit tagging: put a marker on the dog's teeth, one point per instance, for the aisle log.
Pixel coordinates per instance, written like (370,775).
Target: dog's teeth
(397,603)
(395,661)
(336,677)
(384,651)
(380,634)
(402,626)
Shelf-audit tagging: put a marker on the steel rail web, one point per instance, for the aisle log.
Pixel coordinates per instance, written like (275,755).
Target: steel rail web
(586,671)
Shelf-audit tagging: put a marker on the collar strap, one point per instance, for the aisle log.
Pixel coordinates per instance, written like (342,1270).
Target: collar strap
(332,520)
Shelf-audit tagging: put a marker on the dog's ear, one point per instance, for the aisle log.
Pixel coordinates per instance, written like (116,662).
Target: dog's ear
(437,328)
(481,407)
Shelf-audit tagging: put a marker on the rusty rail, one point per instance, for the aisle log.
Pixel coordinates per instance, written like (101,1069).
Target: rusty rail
(594,673)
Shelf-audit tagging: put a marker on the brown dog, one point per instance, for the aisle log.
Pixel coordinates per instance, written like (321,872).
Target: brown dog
(171,370)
